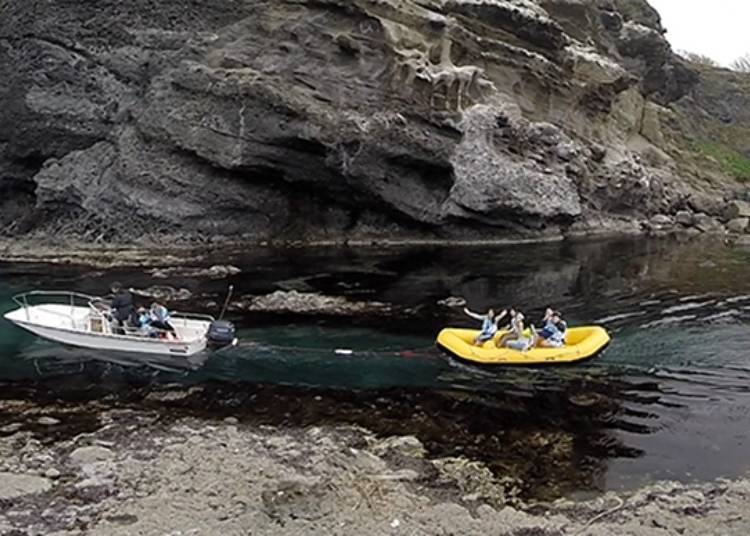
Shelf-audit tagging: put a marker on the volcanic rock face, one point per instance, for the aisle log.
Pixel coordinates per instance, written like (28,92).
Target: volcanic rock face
(333,119)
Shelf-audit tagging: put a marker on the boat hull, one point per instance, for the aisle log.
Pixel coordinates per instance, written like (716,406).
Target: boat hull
(48,323)
(584,343)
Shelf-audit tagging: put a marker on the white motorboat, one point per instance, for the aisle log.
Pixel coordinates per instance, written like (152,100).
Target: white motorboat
(85,321)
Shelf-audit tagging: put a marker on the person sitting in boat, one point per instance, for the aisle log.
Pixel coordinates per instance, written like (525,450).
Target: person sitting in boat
(523,343)
(123,308)
(554,330)
(160,320)
(514,330)
(143,323)
(489,324)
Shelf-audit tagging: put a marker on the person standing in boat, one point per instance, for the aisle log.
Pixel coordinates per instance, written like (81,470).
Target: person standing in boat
(160,320)
(123,308)
(489,324)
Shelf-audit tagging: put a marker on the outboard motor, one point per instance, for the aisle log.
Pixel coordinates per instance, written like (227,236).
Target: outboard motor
(221,333)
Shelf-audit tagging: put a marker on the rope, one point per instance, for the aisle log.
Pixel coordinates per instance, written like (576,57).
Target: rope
(409,352)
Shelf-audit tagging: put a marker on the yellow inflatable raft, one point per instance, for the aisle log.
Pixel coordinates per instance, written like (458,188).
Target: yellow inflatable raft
(581,344)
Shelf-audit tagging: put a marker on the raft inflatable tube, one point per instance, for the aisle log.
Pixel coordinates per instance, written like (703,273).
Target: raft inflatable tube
(581,344)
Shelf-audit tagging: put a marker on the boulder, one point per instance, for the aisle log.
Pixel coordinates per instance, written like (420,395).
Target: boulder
(685,218)
(52,473)
(48,421)
(91,454)
(661,220)
(706,204)
(708,224)
(408,446)
(737,209)
(14,485)
(738,225)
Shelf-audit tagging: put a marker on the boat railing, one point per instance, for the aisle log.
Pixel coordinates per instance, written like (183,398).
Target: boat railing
(185,317)
(73,299)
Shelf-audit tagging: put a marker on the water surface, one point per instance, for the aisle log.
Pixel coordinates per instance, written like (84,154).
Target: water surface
(669,398)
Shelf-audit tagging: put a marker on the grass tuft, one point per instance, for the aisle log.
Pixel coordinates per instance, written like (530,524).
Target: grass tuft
(731,161)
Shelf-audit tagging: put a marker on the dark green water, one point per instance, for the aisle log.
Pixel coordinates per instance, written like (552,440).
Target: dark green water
(669,399)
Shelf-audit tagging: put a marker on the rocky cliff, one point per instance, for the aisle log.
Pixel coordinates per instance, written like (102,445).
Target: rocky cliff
(304,120)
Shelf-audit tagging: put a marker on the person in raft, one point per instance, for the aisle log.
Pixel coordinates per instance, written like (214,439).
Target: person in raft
(515,338)
(489,325)
(554,330)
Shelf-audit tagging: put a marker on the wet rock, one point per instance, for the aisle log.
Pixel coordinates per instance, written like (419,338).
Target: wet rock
(738,225)
(705,204)
(402,475)
(708,224)
(684,218)
(408,446)
(471,478)
(164,293)
(11,428)
(452,302)
(662,220)
(48,421)
(91,454)
(309,304)
(17,485)
(737,210)
(214,272)
(52,473)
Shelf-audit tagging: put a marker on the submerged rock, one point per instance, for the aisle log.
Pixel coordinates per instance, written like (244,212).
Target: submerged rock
(308,303)
(214,272)
(48,421)
(164,293)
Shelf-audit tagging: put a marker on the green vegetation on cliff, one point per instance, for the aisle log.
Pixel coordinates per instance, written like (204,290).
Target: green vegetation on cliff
(730,161)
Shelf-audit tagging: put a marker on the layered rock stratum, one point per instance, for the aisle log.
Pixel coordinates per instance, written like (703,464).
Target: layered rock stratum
(312,120)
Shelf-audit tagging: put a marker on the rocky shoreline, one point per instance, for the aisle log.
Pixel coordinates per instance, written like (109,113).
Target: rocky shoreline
(107,466)
(682,225)
(131,471)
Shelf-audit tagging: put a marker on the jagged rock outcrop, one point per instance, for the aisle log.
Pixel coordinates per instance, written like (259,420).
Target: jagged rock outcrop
(339,119)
